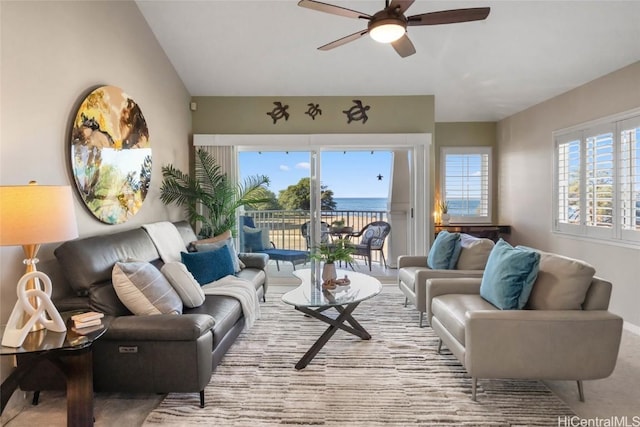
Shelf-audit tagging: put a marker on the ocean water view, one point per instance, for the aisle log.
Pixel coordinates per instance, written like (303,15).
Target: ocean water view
(361,203)
(456,206)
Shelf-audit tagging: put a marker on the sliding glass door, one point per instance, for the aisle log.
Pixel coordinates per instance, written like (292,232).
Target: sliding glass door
(345,166)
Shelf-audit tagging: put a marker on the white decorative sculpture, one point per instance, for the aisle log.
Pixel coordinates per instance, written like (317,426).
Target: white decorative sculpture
(14,335)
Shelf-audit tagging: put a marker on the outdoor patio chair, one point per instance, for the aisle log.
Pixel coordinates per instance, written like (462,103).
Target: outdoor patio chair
(372,237)
(256,240)
(325,233)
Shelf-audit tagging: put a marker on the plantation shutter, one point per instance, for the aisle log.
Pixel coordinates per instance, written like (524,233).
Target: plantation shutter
(466,183)
(629,176)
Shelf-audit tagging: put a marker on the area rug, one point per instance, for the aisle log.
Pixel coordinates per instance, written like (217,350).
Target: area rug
(395,379)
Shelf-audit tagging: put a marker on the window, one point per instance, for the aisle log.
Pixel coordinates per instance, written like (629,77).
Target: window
(466,183)
(597,179)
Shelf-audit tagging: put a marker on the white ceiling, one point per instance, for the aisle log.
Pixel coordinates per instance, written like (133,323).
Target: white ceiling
(525,52)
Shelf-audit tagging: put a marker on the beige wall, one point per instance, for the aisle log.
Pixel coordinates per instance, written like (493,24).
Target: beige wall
(248,115)
(467,134)
(52,54)
(525,167)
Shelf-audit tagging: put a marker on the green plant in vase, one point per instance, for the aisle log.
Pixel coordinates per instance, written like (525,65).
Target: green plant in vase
(443,205)
(340,250)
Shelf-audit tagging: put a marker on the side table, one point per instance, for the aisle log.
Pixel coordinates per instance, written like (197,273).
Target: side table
(71,352)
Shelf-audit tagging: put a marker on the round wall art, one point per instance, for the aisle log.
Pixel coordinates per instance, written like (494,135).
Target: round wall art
(111,154)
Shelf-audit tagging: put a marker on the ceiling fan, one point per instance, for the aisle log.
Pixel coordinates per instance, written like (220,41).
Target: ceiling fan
(390,24)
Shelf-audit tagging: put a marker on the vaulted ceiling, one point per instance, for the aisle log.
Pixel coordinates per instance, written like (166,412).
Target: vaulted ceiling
(525,52)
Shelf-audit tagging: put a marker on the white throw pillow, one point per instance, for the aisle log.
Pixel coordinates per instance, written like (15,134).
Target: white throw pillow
(184,283)
(475,252)
(562,283)
(144,290)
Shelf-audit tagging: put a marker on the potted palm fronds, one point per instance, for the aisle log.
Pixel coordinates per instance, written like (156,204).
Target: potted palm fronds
(209,198)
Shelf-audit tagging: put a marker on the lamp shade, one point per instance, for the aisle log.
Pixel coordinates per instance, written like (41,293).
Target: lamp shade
(387,30)
(36,214)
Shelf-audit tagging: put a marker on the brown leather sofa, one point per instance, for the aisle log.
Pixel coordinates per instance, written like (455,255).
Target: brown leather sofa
(152,354)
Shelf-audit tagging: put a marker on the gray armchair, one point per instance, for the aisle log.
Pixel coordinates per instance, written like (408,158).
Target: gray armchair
(413,272)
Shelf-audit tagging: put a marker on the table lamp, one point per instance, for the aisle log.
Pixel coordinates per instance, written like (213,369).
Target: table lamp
(31,215)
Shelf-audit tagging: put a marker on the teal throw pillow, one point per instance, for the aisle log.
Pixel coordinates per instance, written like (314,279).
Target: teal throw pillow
(209,266)
(509,276)
(205,247)
(445,251)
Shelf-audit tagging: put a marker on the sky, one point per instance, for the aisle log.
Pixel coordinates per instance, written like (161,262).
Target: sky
(347,174)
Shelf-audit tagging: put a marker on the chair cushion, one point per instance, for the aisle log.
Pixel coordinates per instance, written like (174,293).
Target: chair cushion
(255,239)
(475,252)
(562,283)
(209,266)
(509,276)
(144,290)
(445,251)
(290,255)
(184,283)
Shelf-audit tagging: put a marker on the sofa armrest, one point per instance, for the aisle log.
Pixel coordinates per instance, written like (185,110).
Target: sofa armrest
(254,260)
(443,286)
(542,344)
(161,327)
(412,261)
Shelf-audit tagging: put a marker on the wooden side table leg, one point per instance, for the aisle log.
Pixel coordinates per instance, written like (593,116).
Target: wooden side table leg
(79,370)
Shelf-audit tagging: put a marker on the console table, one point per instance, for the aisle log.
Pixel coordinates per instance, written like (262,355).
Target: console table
(490,231)
(71,353)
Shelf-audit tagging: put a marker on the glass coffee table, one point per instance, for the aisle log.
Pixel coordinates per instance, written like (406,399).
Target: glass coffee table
(344,299)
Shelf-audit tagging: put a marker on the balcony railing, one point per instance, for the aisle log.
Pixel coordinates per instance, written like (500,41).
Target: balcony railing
(284,226)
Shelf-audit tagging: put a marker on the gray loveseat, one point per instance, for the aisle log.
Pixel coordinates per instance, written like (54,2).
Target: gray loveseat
(565,331)
(158,353)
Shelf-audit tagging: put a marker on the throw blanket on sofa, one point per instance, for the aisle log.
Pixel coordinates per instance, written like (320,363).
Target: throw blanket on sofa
(240,289)
(167,239)
(169,243)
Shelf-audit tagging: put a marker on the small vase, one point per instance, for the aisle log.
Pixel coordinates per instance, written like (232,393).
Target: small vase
(329,272)
(445,218)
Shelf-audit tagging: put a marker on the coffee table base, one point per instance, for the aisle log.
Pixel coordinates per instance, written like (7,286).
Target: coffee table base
(334,324)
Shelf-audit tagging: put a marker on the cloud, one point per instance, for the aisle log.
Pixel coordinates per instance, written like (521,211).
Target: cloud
(476,173)
(303,165)
(284,168)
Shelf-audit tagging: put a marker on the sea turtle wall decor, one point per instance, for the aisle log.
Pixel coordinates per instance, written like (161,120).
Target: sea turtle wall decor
(278,112)
(357,112)
(314,110)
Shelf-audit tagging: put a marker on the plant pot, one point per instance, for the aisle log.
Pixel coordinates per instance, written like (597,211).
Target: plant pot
(445,218)
(329,272)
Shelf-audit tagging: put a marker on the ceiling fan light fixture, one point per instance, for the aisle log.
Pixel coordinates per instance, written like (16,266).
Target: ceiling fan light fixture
(387,30)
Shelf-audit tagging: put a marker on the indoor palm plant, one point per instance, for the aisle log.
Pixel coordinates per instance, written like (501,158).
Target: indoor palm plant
(209,198)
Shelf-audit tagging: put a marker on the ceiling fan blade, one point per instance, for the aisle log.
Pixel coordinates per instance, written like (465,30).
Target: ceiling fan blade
(334,10)
(344,40)
(449,16)
(402,4)
(403,46)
